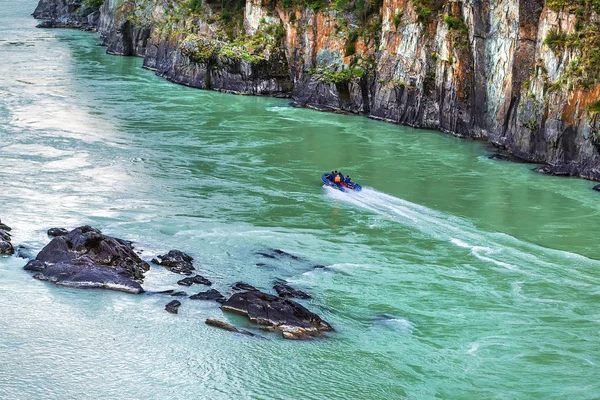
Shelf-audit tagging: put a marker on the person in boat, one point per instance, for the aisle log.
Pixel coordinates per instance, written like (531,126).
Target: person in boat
(349,182)
(337,179)
(329,177)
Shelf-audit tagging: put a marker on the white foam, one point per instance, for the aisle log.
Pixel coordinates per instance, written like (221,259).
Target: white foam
(499,249)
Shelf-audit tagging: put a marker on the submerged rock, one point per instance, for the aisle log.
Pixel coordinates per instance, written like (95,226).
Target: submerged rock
(54,232)
(286,316)
(211,294)
(597,188)
(6,247)
(243,286)
(228,327)
(199,279)
(173,306)
(556,170)
(286,291)
(276,253)
(176,261)
(23,251)
(85,258)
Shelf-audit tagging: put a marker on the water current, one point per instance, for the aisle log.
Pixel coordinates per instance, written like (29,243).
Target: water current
(450,276)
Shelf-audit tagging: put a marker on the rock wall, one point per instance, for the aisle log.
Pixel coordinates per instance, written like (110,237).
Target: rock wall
(509,71)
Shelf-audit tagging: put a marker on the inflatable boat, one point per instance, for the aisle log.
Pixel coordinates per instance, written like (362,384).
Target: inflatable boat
(355,187)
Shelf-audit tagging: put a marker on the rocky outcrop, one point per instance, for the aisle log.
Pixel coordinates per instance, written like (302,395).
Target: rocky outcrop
(6,247)
(243,286)
(199,279)
(286,316)
(85,258)
(286,291)
(211,294)
(224,325)
(67,14)
(53,232)
(176,261)
(173,307)
(521,74)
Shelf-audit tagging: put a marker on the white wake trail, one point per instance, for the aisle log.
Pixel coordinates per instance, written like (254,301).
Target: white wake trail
(500,249)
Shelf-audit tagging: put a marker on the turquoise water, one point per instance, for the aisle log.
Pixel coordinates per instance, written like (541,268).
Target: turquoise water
(487,272)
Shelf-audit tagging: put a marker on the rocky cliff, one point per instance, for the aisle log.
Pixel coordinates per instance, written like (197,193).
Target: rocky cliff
(523,74)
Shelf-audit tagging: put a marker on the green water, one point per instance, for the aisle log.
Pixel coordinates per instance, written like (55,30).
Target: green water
(486,271)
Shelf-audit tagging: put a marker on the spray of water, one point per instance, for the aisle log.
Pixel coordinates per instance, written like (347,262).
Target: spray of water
(500,249)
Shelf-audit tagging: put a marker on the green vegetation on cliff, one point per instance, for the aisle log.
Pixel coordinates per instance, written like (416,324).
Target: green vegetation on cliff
(584,42)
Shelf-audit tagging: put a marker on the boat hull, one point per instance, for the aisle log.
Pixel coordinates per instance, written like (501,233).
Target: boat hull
(341,188)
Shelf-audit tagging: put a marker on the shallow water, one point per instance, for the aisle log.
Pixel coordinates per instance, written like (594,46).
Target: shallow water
(449,276)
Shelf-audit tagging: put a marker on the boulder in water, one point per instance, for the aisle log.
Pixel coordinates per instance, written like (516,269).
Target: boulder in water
(54,232)
(228,327)
(290,318)
(6,247)
(85,258)
(597,188)
(176,261)
(190,280)
(211,294)
(25,252)
(173,306)
(286,291)
(243,286)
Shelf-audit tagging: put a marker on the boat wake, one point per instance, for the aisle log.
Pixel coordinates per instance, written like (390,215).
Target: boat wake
(499,249)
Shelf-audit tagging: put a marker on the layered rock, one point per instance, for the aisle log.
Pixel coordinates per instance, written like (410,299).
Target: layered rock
(522,74)
(6,247)
(176,261)
(211,294)
(288,317)
(85,258)
(173,307)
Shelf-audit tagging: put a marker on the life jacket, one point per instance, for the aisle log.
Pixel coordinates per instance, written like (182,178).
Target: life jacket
(337,179)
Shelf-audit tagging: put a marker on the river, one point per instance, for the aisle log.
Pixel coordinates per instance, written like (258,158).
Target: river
(450,276)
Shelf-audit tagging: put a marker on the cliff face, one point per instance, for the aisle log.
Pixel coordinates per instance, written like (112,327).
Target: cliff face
(521,73)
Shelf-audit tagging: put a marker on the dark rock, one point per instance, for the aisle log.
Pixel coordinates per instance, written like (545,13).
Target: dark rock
(503,156)
(319,266)
(228,327)
(85,258)
(54,232)
(6,247)
(4,227)
(5,236)
(275,253)
(285,254)
(211,294)
(24,252)
(173,306)
(176,261)
(597,188)
(34,265)
(265,255)
(170,292)
(290,318)
(555,170)
(243,286)
(285,290)
(85,275)
(190,280)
